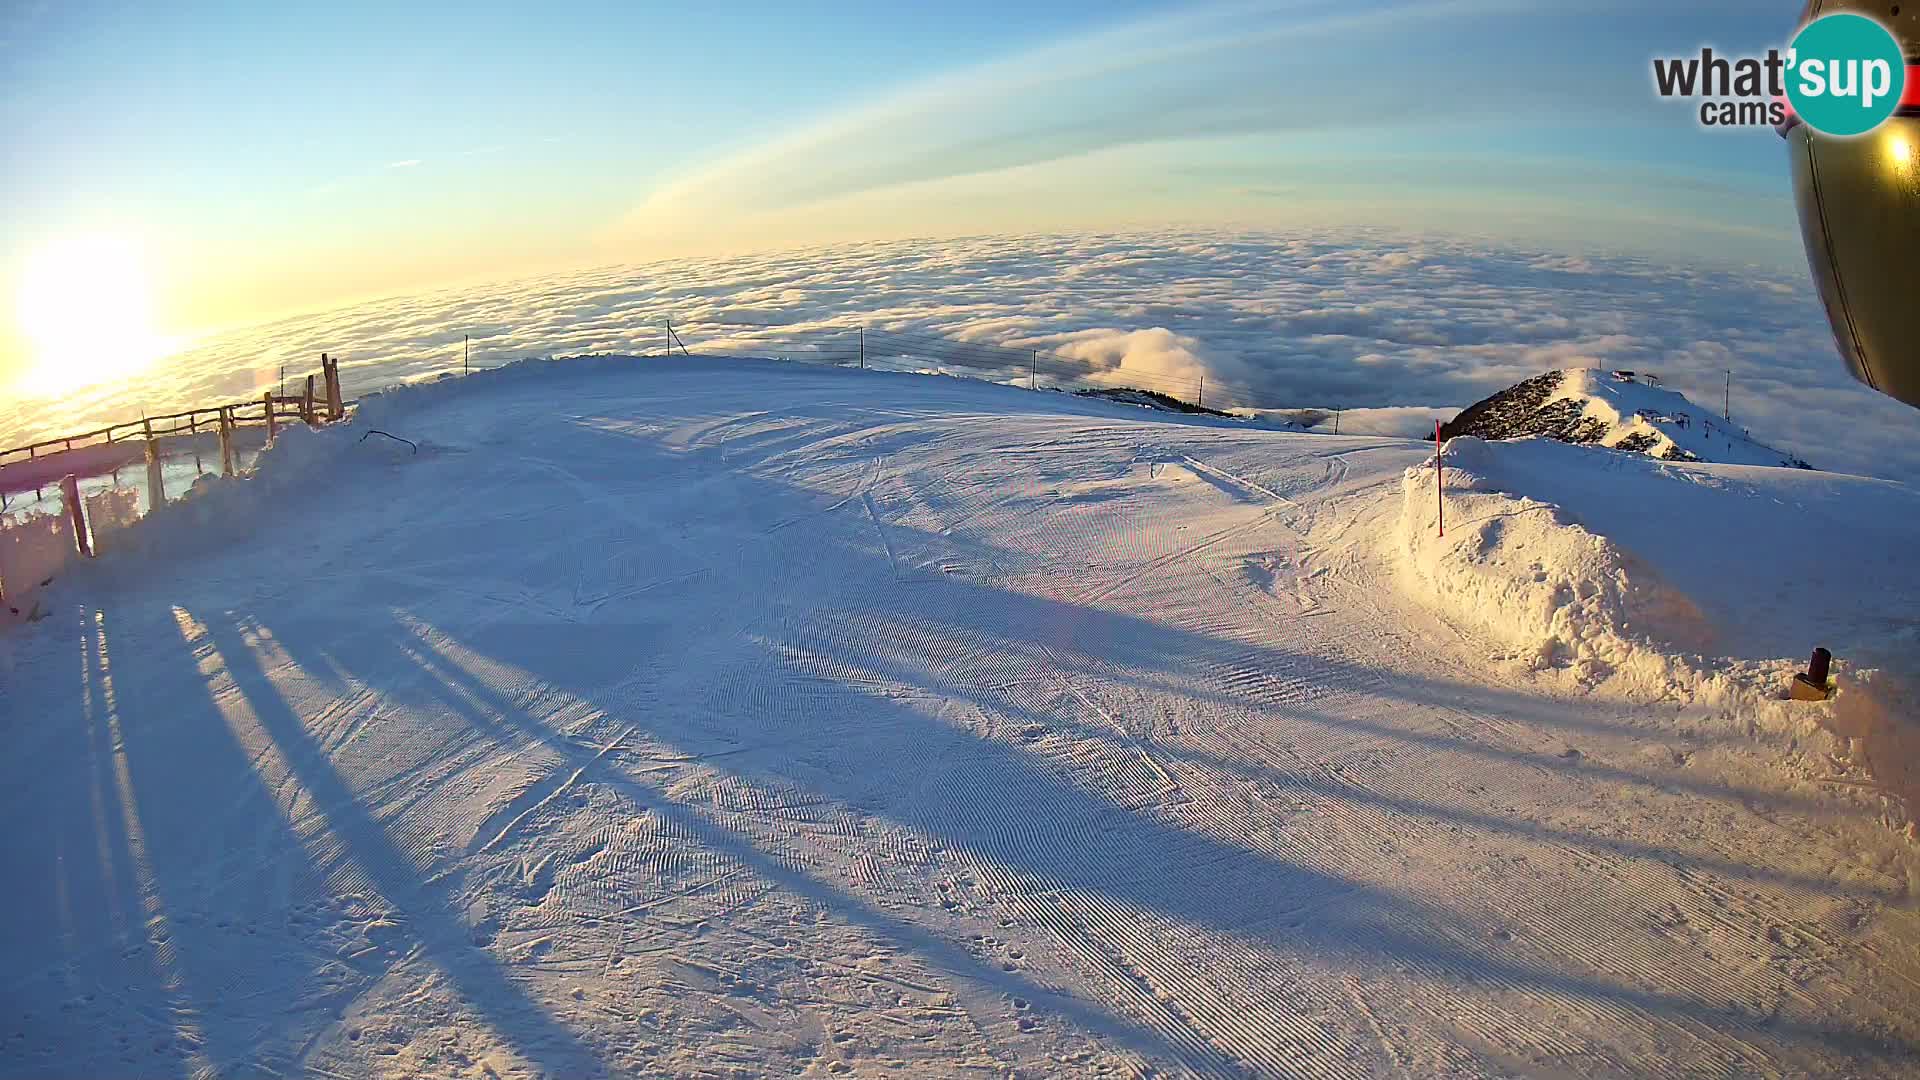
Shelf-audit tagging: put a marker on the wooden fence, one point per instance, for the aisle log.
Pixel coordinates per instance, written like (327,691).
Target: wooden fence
(270,409)
(62,460)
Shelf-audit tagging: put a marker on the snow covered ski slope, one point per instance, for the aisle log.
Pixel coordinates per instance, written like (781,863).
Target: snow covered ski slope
(718,719)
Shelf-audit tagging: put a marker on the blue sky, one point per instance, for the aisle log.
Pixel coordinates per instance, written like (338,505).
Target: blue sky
(262,159)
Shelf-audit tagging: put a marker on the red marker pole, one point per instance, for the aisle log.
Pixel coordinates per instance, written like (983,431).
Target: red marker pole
(1439,479)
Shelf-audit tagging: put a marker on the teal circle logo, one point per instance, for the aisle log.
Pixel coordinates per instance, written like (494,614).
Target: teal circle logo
(1845,74)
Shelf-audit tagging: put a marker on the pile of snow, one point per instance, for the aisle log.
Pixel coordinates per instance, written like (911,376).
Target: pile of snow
(33,548)
(216,509)
(1616,410)
(1677,580)
(1877,710)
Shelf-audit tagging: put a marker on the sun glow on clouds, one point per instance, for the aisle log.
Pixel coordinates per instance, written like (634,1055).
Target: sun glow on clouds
(85,305)
(1333,318)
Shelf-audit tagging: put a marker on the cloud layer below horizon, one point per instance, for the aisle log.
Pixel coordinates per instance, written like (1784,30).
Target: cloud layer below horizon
(1352,319)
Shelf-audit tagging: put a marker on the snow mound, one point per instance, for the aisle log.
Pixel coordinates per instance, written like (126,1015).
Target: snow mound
(1555,593)
(33,548)
(1877,709)
(220,509)
(1615,410)
(1676,579)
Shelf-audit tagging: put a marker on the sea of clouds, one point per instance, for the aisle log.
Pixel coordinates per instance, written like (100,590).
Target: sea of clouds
(1388,326)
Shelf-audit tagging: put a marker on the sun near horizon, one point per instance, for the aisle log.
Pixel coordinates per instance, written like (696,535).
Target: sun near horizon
(85,304)
(174,172)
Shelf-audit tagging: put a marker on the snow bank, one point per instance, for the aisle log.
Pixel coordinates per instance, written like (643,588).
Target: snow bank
(1553,592)
(1877,709)
(1697,581)
(33,549)
(214,511)
(109,513)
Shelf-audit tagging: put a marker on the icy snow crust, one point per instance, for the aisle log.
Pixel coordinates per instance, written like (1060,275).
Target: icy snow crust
(684,718)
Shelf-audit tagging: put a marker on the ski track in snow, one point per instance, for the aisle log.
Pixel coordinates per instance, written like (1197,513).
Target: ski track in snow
(731,718)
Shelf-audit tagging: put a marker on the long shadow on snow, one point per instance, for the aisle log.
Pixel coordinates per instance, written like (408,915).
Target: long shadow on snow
(1164,659)
(1153,647)
(1013,811)
(177,879)
(381,635)
(1008,808)
(938,683)
(1142,869)
(440,935)
(1138,646)
(107,886)
(1112,646)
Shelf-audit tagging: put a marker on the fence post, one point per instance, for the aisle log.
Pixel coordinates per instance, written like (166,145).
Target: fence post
(306,406)
(331,369)
(70,494)
(156,485)
(273,428)
(226,440)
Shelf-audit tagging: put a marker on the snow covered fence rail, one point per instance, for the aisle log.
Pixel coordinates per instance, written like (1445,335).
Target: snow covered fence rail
(40,463)
(35,543)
